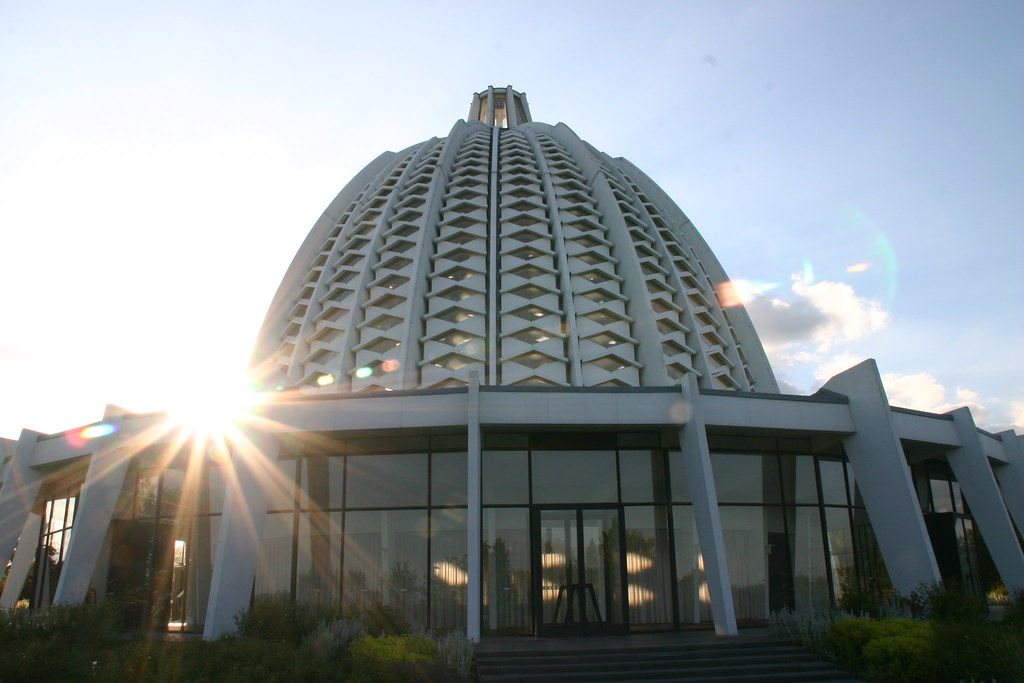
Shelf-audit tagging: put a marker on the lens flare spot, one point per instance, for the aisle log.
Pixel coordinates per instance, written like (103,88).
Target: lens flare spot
(389,365)
(96,431)
(324,380)
(363,373)
(738,292)
(807,274)
(858,267)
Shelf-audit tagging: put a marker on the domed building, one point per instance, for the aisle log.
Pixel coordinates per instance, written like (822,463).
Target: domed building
(510,390)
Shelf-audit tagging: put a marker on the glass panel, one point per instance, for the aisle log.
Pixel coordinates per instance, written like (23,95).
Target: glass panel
(810,579)
(389,480)
(319,554)
(958,499)
(281,495)
(738,478)
(942,500)
(274,571)
(448,479)
(205,532)
(694,599)
(506,570)
(648,566)
(833,484)
(506,477)
(798,480)
(743,529)
(449,576)
(840,550)
(602,565)
(559,563)
(871,571)
(643,476)
(386,561)
(574,477)
(173,493)
(145,495)
(677,478)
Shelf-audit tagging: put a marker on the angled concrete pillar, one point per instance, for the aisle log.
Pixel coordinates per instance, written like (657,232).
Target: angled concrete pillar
(18,494)
(22,562)
(474,530)
(693,442)
(249,479)
(104,479)
(883,478)
(1011,476)
(979,487)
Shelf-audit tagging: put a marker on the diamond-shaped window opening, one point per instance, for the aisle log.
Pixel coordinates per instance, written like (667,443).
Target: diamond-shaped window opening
(533,360)
(467,194)
(671,348)
(527,253)
(463,207)
(450,383)
(526,220)
(344,276)
(535,382)
(610,363)
(322,357)
(522,180)
(459,274)
(405,230)
(667,326)
(327,335)
(396,263)
(532,336)
(587,242)
(464,222)
(456,315)
(384,322)
(659,287)
(524,205)
(337,296)
(455,338)
(595,276)
(456,293)
(458,255)
(531,313)
(522,193)
(580,211)
(676,371)
(529,271)
(530,292)
(608,340)
(460,238)
(382,345)
(453,362)
(526,236)
(388,301)
(600,296)
(350,260)
(399,247)
(391,282)
(592,259)
(603,317)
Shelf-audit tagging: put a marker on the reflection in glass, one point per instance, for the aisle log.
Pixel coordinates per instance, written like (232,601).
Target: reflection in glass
(388,480)
(448,479)
(449,574)
(506,570)
(574,477)
(648,566)
(506,477)
(274,571)
(642,476)
(738,478)
(746,551)
(694,599)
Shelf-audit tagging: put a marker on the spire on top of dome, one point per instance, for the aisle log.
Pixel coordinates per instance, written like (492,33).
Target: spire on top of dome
(501,107)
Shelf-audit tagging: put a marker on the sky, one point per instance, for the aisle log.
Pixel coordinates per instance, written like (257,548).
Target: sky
(857,165)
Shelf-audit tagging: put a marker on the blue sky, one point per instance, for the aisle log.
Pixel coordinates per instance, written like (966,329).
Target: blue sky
(160,163)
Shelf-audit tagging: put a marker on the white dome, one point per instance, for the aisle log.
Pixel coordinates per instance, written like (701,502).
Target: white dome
(510,248)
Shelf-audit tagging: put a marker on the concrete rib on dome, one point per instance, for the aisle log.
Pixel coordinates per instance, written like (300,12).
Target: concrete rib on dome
(514,249)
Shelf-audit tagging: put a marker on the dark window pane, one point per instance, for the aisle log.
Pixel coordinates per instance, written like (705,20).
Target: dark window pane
(448,479)
(648,564)
(739,478)
(574,477)
(449,577)
(389,480)
(798,480)
(506,570)
(506,477)
(643,476)
(677,478)
(833,485)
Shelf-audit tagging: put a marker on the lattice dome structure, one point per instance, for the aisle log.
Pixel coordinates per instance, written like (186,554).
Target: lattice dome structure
(514,249)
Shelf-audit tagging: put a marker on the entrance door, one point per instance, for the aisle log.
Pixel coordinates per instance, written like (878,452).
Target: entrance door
(578,556)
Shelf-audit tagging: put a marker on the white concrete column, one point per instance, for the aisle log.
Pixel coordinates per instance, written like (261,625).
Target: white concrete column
(22,562)
(249,478)
(104,480)
(876,458)
(474,530)
(1010,475)
(693,442)
(978,484)
(18,495)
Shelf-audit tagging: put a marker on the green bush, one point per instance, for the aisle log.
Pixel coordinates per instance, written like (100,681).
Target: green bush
(381,620)
(290,622)
(849,639)
(899,658)
(947,601)
(390,658)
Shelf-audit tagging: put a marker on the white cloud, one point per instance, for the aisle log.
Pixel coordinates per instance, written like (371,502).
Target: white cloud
(836,364)
(919,392)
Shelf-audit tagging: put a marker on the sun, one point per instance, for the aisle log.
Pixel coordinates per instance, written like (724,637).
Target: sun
(213,410)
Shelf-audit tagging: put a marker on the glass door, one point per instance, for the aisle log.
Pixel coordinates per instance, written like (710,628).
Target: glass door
(578,561)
